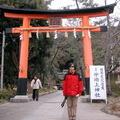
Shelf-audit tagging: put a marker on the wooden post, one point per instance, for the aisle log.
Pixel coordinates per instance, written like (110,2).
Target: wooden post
(23,64)
(2,60)
(88,60)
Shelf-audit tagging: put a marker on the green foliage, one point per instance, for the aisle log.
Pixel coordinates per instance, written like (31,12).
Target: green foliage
(46,89)
(6,94)
(66,51)
(38,49)
(115,88)
(32,4)
(2,101)
(97,49)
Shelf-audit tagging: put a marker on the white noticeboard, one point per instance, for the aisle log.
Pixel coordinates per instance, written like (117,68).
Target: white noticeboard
(97,83)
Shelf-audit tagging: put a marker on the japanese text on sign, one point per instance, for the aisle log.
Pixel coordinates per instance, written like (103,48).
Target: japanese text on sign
(97,82)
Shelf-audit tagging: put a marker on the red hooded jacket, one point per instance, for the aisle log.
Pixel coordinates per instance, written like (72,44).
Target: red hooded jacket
(72,84)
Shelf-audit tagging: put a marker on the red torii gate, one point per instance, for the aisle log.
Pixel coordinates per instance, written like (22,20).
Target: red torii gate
(25,29)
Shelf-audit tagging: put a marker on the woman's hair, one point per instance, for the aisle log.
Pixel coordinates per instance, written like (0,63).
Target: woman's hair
(71,65)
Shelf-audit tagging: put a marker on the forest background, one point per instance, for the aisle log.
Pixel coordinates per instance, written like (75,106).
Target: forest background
(48,56)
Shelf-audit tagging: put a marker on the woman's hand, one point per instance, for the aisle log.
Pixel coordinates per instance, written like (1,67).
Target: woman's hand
(77,95)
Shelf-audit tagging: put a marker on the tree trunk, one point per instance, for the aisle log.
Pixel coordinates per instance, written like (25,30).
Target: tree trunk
(107,55)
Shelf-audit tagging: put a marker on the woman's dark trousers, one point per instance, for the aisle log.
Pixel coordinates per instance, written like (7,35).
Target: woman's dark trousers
(35,94)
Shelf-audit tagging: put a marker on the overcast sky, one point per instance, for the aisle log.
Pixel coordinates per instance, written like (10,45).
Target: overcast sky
(58,4)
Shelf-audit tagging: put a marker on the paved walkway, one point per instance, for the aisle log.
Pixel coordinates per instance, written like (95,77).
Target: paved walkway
(48,108)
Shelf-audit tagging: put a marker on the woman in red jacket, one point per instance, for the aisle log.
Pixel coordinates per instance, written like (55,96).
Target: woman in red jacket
(72,88)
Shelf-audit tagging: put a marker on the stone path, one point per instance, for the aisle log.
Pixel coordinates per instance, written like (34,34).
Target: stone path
(48,108)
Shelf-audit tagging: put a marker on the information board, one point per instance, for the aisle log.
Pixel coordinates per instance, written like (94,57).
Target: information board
(55,21)
(97,83)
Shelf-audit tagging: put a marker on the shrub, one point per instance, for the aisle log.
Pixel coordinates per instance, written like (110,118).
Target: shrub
(115,88)
(6,94)
(46,89)
(2,101)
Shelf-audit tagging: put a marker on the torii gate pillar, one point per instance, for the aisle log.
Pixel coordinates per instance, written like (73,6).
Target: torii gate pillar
(23,63)
(88,60)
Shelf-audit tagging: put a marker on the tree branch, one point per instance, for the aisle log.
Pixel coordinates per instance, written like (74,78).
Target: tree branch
(76,1)
(117,65)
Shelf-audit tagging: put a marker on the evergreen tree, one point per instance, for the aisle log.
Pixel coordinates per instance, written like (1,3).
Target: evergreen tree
(38,49)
